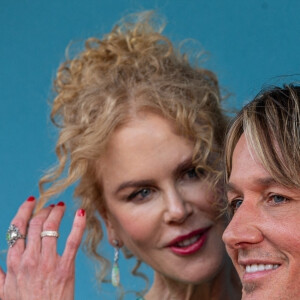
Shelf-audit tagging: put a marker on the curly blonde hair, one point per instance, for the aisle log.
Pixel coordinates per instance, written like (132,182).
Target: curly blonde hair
(133,68)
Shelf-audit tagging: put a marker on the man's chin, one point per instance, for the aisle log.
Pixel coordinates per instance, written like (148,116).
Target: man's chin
(249,288)
(250,292)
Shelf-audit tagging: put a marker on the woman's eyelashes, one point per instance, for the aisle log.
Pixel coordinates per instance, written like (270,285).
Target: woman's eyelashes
(192,173)
(146,193)
(140,195)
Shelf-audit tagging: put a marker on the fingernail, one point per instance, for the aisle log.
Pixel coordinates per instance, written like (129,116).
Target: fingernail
(60,203)
(30,198)
(80,212)
(51,205)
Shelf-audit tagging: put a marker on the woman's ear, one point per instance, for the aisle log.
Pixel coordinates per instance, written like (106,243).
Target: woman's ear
(112,233)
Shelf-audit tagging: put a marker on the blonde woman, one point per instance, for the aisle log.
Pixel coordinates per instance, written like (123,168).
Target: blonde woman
(141,131)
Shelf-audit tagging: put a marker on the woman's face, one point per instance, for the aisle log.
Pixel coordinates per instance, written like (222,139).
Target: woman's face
(156,203)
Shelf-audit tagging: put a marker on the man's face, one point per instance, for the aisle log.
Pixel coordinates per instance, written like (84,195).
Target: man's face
(263,237)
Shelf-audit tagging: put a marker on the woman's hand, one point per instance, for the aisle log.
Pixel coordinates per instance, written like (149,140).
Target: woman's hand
(34,269)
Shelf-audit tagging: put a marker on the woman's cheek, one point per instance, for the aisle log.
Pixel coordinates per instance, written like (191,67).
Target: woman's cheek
(200,194)
(138,228)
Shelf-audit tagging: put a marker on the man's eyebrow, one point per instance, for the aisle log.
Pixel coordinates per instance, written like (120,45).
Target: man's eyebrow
(265,181)
(230,187)
(134,184)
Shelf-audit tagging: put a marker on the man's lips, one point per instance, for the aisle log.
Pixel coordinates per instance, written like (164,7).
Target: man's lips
(257,261)
(181,238)
(255,268)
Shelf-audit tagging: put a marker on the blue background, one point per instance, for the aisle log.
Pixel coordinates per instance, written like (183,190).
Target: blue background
(250,44)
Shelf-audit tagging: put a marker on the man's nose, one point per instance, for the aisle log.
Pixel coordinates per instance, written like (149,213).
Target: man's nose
(244,227)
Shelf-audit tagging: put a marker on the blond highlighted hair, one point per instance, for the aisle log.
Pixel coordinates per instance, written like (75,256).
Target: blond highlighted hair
(271,124)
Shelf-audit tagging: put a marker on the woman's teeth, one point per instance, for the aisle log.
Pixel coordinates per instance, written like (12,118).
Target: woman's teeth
(188,242)
(258,268)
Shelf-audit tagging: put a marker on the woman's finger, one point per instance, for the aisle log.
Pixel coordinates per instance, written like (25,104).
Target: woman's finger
(2,281)
(20,221)
(52,223)
(33,246)
(74,239)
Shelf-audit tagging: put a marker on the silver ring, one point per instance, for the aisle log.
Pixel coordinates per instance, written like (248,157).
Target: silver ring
(50,233)
(13,234)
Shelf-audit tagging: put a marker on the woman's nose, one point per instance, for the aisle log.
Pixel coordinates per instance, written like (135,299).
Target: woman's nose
(177,209)
(244,228)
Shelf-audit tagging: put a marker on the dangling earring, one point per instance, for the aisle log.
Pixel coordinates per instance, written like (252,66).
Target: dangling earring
(115,273)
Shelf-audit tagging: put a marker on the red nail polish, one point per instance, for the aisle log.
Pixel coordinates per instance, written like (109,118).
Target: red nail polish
(51,205)
(30,198)
(60,203)
(80,212)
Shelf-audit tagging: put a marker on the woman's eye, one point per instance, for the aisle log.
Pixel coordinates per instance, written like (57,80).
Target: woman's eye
(140,194)
(144,192)
(190,174)
(278,199)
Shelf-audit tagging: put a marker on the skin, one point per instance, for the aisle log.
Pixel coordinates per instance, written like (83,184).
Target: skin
(171,201)
(34,270)
(264,229)
(154,195)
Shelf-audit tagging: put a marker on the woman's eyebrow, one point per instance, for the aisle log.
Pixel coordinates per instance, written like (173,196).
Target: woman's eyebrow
(134,184)
(187,163)
(183,166)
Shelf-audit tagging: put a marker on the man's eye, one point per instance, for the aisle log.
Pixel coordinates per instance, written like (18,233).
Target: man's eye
(235,204)
(278,199)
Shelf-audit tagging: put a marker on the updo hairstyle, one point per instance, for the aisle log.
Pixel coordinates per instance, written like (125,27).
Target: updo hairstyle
(133,68)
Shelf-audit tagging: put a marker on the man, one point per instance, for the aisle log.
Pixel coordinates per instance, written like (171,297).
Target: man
(263,189)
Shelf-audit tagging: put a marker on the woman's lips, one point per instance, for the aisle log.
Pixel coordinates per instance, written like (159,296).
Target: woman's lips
(190,243)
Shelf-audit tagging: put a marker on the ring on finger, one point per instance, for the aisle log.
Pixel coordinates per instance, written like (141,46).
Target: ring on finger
(51,233)
(13,234)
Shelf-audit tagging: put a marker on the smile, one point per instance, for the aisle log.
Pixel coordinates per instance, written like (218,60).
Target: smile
(190,243)
(260,267)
